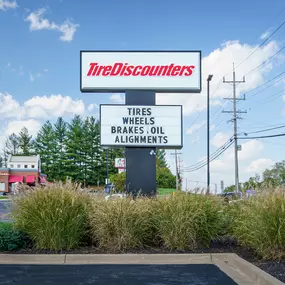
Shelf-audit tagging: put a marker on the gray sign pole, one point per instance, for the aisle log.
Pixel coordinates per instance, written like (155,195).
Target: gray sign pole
(140,162)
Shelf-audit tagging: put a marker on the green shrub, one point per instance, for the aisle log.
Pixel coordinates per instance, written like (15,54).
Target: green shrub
(119,180)
(11,239)
(186,221)
(260,224)
(164,178)
(54,217)
(123,224)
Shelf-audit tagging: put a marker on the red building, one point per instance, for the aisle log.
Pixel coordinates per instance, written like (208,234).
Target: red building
(21,169)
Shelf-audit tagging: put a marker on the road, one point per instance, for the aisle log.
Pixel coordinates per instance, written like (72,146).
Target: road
(5,210)
(114,274)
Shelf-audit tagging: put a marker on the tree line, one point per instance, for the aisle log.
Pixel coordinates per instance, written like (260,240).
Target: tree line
(71,150)
(270,178)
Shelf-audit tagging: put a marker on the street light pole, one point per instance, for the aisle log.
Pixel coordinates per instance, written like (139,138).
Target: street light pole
(107,166)
(208,132)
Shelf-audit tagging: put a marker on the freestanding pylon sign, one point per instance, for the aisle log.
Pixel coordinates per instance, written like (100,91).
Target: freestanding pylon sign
(140,125)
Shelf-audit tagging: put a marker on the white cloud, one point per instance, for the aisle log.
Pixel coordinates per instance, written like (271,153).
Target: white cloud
(250,149)
(9,107)
(38,22)
(259,165)
(41,107)
(266,34)
(219,63)
(117,99)
(32,78)
(53,106)
(90,107)
(195,127)
(220,139)
(15,126)
(7,4)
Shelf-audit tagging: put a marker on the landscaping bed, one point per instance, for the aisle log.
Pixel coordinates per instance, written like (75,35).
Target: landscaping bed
(274,268)
(63,219)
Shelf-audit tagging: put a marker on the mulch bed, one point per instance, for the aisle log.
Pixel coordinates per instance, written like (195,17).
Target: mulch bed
(275,268)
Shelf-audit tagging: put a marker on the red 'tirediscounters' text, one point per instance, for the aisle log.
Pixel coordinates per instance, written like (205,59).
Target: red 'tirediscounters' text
(124,69)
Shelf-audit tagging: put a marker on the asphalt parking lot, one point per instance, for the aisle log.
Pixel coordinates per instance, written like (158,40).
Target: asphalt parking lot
(113,274)
(5,209)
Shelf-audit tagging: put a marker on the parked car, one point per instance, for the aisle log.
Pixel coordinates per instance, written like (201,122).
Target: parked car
(109,188)
(230,196)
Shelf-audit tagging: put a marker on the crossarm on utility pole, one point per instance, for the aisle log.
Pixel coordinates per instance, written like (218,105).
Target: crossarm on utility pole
(235,112)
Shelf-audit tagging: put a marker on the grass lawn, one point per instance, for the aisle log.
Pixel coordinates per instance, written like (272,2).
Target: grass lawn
(5,225)
(165,191)
(3,198)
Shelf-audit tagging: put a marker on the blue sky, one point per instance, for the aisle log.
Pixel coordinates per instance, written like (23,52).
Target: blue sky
(39,66)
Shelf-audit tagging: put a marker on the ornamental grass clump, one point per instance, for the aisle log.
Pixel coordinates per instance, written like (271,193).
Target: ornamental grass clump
(55,217)
(123,224)
(186,221)
(260,224)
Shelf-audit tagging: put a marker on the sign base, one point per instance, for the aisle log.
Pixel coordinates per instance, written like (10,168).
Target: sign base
(141,171)
(140,162)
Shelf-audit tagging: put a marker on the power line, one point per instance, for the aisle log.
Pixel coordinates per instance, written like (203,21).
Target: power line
(265,83)
(213,158)
(275,31)
(272,97)
(195,120)
(204,161)
(266,60)
(201,182)
(261,137)
(265,123)
(279,27)
(265,130)
(267,86)
(273,142)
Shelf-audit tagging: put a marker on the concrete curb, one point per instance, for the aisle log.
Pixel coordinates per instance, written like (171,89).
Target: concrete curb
(241,271)
(32,258)
(259,276)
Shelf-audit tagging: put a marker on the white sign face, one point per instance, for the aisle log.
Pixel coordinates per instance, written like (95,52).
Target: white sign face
(141,126)
(162,71)
(121,170)
(120,162)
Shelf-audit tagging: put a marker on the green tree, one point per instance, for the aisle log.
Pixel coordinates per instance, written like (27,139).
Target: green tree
(25,142)
(12,144)
(60,133)
(4,158)
(92,151)
(160,158)
(252,183)
(275,176)
(45,146)
(164,178)
(75,149)
(230,189)
(2,163)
